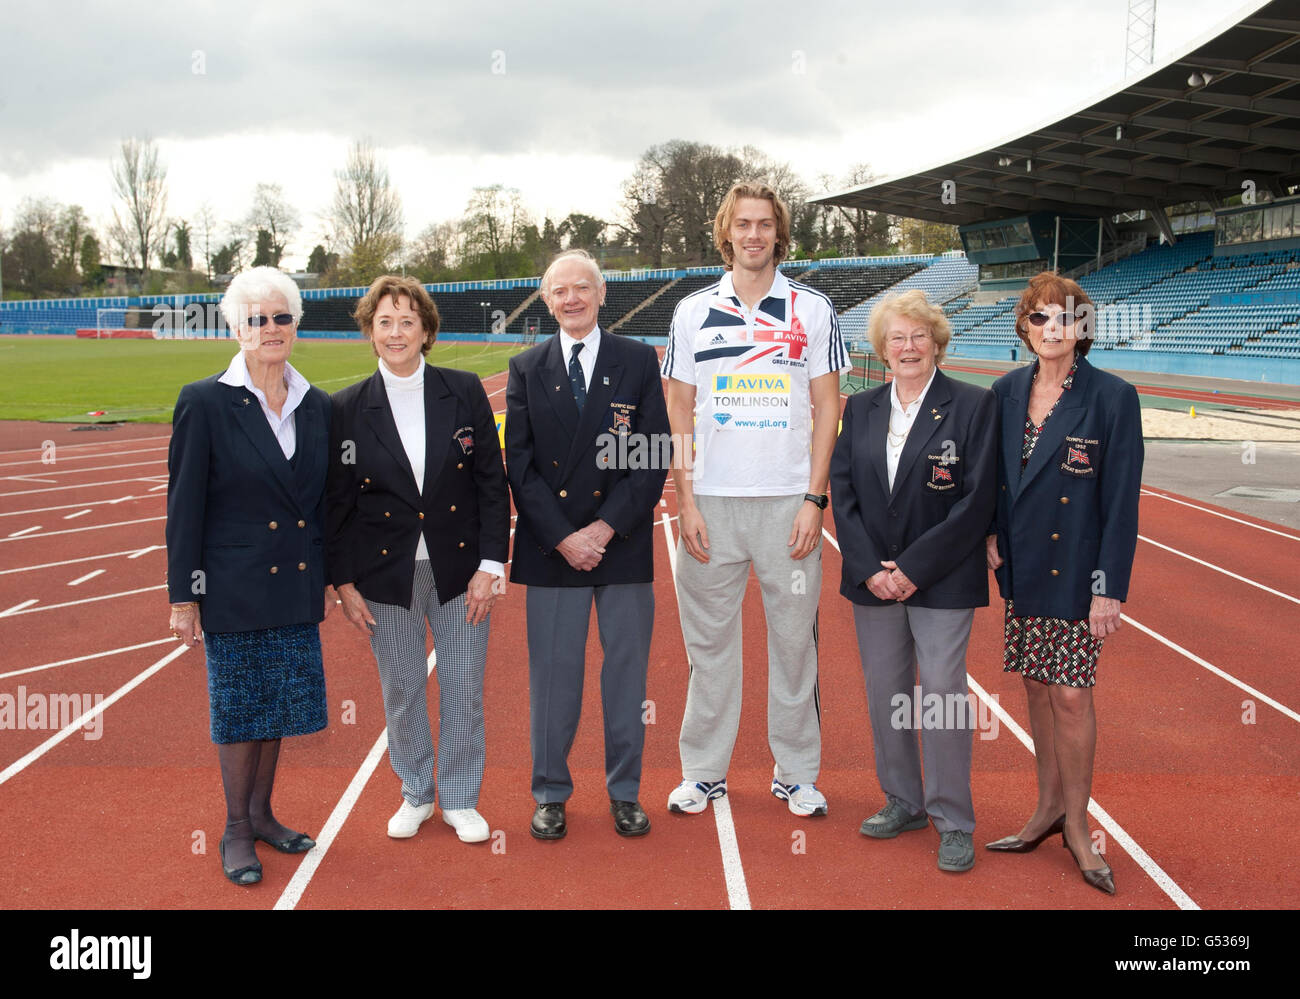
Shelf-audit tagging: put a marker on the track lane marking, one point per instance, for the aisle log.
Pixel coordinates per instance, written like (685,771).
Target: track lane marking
(79,513)
(79,471)
(732,869)
(81,485)
(312,859)
(1205,509)
(73,506)
(24,531)
(21,764)
(1117,832)
(1216,568)
(17,608)
(16,611)
(129,553)
(76,530)
(90,575)
(82,659)
(77,457)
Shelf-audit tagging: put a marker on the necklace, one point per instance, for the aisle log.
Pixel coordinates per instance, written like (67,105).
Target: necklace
(895,438)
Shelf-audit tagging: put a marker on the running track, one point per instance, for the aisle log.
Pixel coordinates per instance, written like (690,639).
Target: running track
(1196,791)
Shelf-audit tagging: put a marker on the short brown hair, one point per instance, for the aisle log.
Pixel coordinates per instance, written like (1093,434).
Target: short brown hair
(1050,288)
(727,211)
(912,304)
(396,286)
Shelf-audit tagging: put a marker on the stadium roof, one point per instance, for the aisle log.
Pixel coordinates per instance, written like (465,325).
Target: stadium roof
(1224,112)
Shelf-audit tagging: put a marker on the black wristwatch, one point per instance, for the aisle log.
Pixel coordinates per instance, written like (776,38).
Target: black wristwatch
(822,501)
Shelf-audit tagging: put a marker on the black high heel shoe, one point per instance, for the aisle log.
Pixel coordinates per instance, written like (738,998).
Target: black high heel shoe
(1014,844)
(244,876)
(1102,879)
(297,843)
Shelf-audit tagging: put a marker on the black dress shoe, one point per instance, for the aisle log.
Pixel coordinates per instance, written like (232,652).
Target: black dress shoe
(1014,844)
(244,876)
(629,818)
(548,821)
(297,843)
(1101,878)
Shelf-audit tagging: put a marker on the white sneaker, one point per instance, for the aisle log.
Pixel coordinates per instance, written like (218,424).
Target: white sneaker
(803,799)
(469,825)
(406,822)
(693,796)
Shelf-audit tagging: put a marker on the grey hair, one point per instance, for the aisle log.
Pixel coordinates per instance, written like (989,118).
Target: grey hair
(254,285)
(571,255)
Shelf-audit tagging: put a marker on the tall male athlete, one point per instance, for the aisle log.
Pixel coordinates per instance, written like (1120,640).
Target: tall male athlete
(753,368)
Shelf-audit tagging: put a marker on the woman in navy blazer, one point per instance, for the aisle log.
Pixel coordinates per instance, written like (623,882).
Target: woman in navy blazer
(1069,475)
(246,554)
(912,494)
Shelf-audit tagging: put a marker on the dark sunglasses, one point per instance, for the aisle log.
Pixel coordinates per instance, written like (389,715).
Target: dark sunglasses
(281,319)
(1064,318)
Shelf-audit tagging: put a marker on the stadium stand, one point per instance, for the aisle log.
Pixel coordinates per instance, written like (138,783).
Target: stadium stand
(944,277)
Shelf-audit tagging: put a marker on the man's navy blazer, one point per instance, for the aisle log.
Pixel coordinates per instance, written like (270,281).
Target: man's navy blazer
(377,513)
(245,525)
(934,520)
(1067,526)
(567,471)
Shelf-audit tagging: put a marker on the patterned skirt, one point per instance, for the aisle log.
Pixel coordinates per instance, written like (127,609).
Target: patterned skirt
(1050,649)
(265,684)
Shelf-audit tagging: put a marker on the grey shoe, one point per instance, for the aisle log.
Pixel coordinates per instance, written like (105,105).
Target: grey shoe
(956,851)
(892,820)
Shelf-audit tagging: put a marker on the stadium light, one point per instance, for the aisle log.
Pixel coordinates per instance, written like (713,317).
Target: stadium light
(1119,132)
(1004,161)
(1029,165)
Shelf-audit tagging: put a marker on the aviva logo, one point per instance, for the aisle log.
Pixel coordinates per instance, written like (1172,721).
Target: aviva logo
(751,383)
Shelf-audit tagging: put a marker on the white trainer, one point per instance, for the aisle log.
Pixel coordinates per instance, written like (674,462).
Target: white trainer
(469,825)
(407,820)
(693,796)
(803,799)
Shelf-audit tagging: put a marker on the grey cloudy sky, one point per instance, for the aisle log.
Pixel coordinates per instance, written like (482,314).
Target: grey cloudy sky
(558,99)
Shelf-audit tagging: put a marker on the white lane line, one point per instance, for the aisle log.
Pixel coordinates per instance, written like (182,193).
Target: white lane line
(77,457)
(81,485)
(78,530)
(129,553)
(30,478)
(15,611)
(312,859)
(732,869)
(90,575)
(74,447)
(156,488)
(1236,520)
(25,530)
(497,392)
(16,608)
(146,551)
(1117,833)
(79,471)
(74,516)
(72,506)
(82,659)
(1222,674)
(1217,568)
(18,766)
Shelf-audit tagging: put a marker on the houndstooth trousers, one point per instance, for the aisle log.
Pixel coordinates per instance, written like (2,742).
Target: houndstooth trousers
(398,644)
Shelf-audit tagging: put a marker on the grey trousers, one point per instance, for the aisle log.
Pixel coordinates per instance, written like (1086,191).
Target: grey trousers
(558,619)
(743,531)
(398,645)
(914,663)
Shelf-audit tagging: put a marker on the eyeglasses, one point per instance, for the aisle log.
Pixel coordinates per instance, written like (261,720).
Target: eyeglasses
(916,338)
(280,319)
(1062,318)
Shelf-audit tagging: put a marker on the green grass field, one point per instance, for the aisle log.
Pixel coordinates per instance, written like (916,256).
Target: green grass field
(64,379)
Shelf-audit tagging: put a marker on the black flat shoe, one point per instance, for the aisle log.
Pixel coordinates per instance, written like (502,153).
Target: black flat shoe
(548,821)
(244,876)
(297,843)
(1101,878)
(629,818)
(1014,844)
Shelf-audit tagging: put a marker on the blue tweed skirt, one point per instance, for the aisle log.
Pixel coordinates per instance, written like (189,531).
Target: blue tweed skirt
(265,684)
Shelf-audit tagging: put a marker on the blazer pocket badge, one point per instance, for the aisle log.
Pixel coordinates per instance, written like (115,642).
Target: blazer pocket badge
(1079,457)
(622,417)
(465,438)
(942,467)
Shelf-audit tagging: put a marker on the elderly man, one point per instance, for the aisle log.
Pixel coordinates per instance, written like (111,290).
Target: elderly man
(753,368)
(584,412)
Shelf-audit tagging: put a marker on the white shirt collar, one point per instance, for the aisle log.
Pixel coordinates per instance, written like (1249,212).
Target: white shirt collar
(916,405)
(415,380)
(237,374)
(590,344)
(780,286)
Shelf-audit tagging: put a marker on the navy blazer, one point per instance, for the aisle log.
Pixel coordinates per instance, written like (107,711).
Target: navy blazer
(567,471)
(376,512)
(934,520)
(245,526)
(1067,526)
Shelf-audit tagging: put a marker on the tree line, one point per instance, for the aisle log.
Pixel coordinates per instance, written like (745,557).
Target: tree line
(664,219)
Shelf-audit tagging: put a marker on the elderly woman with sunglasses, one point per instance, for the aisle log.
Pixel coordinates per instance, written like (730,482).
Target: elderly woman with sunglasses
(1069,474)
(246,556)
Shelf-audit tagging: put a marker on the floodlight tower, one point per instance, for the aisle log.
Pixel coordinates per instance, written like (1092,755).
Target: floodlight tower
(1140,40)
